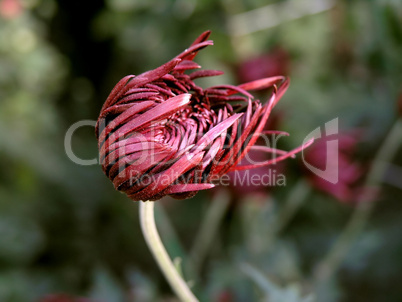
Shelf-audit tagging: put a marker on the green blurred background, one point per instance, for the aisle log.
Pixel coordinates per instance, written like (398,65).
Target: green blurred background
(65,230)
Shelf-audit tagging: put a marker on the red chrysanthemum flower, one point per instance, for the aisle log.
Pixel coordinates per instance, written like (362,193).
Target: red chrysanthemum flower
(161,134)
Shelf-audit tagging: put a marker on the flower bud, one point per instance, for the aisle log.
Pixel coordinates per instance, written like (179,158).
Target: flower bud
(161,134)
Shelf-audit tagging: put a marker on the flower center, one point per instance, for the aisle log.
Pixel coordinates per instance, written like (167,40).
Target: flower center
(188,125)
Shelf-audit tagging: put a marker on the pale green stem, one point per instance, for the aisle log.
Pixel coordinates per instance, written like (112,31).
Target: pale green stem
(364,208)
(173,243)
(208,229)
(148,227)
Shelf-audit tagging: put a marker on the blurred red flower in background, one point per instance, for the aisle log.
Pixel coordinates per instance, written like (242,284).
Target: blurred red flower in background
(271,63)
(349,172)
(225,296)
(10,9)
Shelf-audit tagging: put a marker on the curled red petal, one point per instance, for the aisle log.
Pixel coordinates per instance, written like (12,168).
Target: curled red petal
(186,65)
(188,188)
(166,178)
(275,160)
(205,73)
(262,83)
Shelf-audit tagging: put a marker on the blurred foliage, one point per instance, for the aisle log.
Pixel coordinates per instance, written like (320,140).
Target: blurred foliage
(63,228)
